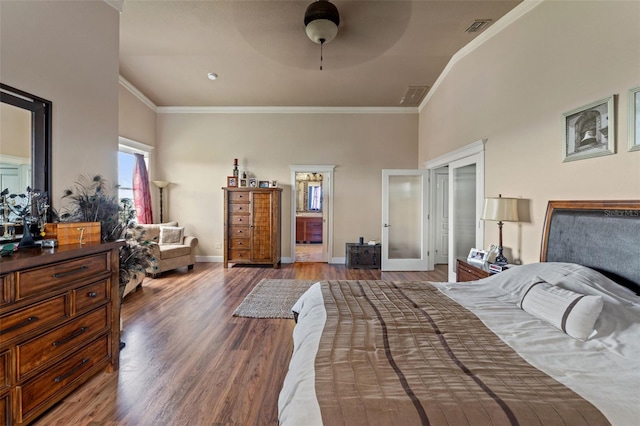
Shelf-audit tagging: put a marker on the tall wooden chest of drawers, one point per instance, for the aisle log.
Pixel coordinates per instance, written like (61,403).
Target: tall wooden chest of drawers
(252,226)
(364,256)
(59,324)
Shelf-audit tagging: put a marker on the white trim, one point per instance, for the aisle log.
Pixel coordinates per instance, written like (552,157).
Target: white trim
(209,259)
(284,110)
(133,147)
(327,209)
(311,168)
(137,93)
(465,151)
(502,23)
(12,159)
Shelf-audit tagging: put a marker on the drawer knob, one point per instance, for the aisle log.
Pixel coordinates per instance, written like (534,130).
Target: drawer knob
(70,372)
(19,325)
(70,337)
(71,272)
(92,294)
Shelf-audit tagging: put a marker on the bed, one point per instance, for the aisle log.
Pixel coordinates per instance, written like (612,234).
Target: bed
(555,342)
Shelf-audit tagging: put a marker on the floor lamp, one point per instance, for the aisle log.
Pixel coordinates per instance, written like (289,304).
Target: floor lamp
(502,210)
(161,184)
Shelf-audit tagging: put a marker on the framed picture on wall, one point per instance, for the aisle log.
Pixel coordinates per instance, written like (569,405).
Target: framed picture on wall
(634,119)
(587,132)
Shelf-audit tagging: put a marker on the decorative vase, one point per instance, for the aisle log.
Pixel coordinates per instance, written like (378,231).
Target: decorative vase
(27,239)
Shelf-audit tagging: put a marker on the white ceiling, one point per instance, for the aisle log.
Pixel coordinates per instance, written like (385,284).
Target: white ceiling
(263,57)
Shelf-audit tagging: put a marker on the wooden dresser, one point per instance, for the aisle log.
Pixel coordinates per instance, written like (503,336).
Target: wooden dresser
(252,226)
(59,324)
(308,229)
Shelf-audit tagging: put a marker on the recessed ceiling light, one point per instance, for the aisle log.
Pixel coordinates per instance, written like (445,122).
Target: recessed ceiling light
(212,76)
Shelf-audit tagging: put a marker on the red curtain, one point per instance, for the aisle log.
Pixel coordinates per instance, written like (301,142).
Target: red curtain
(141,191)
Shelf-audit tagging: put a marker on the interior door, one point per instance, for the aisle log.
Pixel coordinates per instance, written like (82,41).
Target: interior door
(465,207)
(404,220)
(442,218)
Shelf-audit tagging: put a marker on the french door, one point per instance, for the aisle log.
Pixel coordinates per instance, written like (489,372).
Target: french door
(404,220)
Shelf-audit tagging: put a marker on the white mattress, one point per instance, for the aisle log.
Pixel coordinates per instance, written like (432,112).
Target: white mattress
(605,369)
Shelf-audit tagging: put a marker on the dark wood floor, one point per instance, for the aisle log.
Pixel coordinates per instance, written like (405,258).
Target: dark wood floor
(188,361)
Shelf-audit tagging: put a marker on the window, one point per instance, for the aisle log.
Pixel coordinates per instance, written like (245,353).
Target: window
(127,163)
(315,197)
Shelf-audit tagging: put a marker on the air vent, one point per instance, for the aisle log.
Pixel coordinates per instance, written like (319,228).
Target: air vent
(413,95)
(478,25)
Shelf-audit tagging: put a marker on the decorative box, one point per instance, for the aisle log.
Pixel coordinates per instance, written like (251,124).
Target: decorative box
(363,255)
(72,232)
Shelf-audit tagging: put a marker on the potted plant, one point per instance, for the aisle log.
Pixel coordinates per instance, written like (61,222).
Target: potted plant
(92,200)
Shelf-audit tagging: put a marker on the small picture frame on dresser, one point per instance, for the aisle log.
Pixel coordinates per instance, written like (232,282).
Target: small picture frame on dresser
(264,184)
(478,256)
(253,183)
(242,183)
(232,181)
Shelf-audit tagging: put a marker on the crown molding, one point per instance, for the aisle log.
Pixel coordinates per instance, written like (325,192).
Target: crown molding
(138,94)
(286,110)
(116,4)
(502,23)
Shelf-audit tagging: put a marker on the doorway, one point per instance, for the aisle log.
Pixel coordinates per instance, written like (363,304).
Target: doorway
(464,168)
(311,209)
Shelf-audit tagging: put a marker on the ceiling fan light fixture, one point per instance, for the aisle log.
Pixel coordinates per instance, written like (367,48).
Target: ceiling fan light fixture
(321,21)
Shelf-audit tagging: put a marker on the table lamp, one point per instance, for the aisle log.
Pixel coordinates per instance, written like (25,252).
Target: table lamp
(501,210)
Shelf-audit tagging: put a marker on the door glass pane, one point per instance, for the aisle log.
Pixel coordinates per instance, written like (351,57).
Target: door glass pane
(405,201)
(464,215)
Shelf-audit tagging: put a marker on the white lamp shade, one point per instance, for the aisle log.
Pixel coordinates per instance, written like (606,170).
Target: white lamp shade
(161,183)
(321,29)
(501,209)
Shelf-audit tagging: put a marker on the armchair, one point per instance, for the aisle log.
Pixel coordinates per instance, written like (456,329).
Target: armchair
(170,248)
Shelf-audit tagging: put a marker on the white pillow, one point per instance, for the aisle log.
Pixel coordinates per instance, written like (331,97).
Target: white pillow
(571,312)
(171,235)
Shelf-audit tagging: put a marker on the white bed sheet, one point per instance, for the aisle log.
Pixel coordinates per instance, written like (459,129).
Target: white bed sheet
(605,369)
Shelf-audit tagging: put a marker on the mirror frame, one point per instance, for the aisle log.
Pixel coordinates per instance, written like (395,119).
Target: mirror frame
(41,124)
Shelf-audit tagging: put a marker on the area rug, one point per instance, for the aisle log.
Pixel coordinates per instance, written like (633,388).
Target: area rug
(272,299)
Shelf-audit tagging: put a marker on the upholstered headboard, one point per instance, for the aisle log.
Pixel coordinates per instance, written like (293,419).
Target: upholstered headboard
(603,235)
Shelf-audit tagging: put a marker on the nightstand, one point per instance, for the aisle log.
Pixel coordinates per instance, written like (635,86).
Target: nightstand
(468,272)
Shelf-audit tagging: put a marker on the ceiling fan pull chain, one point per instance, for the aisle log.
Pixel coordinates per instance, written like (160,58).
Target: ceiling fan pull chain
(321,44)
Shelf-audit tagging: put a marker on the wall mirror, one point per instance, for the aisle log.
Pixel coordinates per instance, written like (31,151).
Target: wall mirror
(25,141)
(309,192)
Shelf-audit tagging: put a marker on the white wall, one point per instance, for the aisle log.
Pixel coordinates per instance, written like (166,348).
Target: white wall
(67,52)
(196,152)
(513,90)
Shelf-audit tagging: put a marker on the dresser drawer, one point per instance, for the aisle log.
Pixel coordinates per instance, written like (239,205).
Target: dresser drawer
(239,197)
(239,232)
(239,255)
(39,351)
(240,219)
(34,281)
(5,410)
(239,208)
(39,315)
(240,243)
(40,388)
(5,289)
(91,295)
(4,370)
(467,272)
